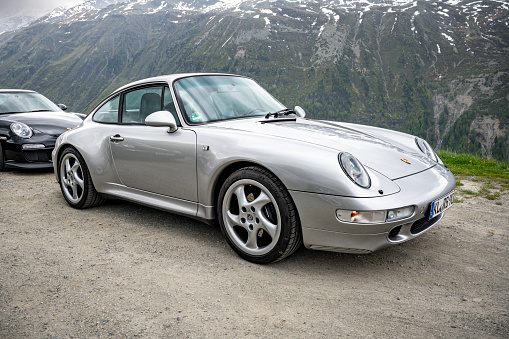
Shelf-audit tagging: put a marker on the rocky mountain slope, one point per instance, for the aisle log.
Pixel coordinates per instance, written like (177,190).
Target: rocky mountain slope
(436,69)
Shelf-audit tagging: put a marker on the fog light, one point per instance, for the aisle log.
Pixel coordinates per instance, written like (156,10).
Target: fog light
(32,146)
(400,213)
(361,217)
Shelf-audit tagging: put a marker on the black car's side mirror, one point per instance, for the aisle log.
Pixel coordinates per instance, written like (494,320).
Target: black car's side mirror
(62,107)
(162,118)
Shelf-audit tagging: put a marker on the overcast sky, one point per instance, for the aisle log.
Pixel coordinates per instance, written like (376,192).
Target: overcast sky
(14,6)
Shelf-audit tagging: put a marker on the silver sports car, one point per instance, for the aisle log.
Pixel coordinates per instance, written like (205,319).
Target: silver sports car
(220,148)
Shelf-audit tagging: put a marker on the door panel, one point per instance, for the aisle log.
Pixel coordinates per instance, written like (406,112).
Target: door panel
(151,159)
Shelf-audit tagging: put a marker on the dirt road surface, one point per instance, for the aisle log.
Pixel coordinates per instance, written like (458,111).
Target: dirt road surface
(126,271)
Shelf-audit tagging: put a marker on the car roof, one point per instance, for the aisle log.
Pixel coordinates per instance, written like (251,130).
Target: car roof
(168,79)
(16,91)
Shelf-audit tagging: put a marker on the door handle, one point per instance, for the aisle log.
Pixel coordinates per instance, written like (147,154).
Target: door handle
(116,138)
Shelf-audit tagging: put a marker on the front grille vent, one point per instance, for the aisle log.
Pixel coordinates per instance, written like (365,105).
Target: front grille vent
(423,224)
(37,155)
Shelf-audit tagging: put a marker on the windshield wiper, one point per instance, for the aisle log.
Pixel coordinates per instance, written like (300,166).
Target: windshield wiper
(282,112)
(40,110)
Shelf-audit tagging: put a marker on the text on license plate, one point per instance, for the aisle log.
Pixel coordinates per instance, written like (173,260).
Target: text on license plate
(440,205)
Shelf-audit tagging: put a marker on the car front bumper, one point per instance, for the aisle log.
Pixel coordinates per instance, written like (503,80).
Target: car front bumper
(18,158)
(323,231)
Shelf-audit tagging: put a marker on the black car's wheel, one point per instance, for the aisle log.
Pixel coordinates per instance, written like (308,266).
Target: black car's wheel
(2,159)
(75,181)
(258,216)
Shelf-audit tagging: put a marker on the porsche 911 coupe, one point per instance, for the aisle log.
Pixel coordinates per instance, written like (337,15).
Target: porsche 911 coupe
(220,148)
(29,125)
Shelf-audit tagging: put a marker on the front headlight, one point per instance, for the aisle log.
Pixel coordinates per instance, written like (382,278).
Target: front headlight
(354,170)
(426,149)
(21,130)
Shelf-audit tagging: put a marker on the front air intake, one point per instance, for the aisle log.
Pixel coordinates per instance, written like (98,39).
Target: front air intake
(393,234)
(423,224)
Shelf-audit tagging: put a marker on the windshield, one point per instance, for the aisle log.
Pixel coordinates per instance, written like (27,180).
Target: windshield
(214,98)
(19,102)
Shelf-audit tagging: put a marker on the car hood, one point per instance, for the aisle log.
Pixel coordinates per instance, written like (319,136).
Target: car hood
(374,152)
(53,123)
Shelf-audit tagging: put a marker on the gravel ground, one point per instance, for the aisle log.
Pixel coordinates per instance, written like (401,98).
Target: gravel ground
(126,271)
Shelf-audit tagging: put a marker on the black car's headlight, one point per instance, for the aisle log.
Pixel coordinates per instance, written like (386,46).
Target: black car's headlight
(426,149)
(21,130)
(354,170)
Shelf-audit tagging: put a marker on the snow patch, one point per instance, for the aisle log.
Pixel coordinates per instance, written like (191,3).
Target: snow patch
(451,40)
(321,30)
(160,8)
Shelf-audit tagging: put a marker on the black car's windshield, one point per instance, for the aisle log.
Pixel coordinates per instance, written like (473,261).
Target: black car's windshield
(19,102)
(213,98)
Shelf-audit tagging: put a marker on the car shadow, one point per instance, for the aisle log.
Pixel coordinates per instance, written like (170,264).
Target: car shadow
(211,240)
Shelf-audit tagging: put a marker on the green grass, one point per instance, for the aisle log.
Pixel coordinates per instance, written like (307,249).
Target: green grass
(470,165)
(493,175)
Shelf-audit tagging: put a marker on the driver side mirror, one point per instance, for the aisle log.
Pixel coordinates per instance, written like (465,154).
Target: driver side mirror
(162,119)
(62,107)
(299,111)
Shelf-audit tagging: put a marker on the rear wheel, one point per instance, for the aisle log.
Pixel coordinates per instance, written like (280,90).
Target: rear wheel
(258,216)
(75,181)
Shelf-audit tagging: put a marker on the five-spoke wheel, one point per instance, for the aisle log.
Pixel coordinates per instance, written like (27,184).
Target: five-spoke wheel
(258,216)
(75,181)
(71,176)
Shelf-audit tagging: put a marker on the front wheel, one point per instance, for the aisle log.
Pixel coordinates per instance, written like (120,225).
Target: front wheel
(258,216)
(75,181)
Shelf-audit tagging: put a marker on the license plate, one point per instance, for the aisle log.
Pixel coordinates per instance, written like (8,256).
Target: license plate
(441,205)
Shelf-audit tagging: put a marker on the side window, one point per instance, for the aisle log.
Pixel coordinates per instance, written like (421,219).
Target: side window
(108,112)
(169,106)
(140,103)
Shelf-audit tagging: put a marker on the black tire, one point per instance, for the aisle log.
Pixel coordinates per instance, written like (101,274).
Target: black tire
(258,216)
(75,181)
(2,158)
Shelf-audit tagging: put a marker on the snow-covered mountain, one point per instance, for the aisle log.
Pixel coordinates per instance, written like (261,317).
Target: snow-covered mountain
(94,9)
(264,8)
(13,20)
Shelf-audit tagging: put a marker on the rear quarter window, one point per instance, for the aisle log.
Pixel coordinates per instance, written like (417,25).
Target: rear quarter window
(108,112)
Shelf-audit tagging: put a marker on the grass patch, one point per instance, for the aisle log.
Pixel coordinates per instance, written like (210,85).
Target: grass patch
(470,165)
(493,174)
(493,196)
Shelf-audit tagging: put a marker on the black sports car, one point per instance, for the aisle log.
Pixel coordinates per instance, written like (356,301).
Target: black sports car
(29,125)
